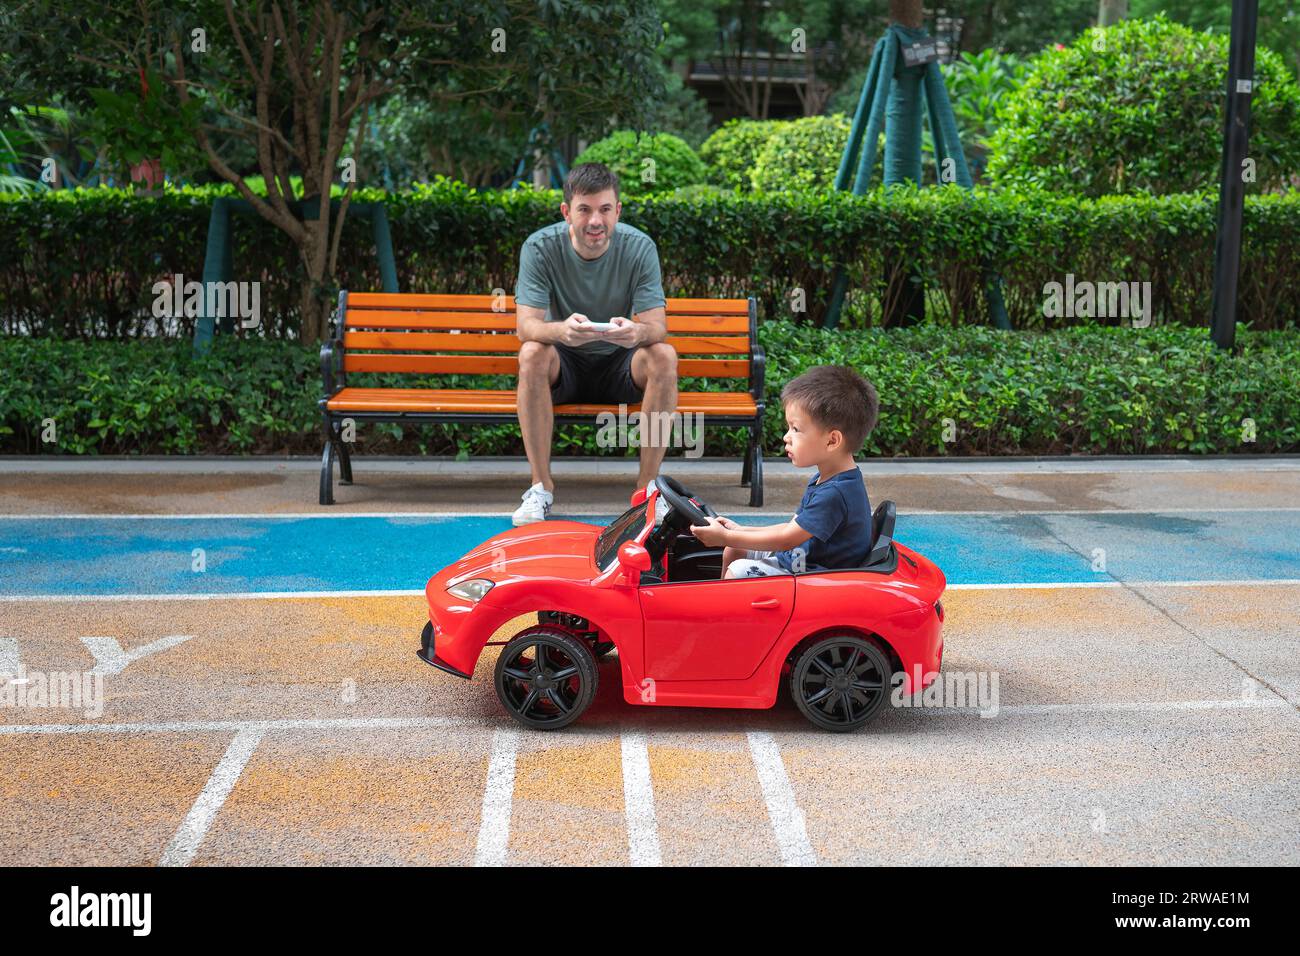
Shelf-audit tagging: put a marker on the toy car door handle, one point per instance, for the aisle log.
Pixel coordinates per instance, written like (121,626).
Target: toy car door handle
(765,603)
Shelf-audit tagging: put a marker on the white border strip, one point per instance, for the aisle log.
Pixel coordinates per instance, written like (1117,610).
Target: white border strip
(419,592)
(262,726)
(427,723)
(639,802)
(498,799)
(195,596)
(185,844)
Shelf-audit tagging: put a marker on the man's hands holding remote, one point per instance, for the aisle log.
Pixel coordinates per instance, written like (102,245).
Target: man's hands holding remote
(620,330)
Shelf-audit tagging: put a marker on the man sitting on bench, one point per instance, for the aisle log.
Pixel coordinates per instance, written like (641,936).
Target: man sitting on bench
(589,270)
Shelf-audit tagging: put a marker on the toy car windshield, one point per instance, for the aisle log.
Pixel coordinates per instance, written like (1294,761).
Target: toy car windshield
(623,528)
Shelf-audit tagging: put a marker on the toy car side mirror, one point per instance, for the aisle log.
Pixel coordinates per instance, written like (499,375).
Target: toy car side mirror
(633,559)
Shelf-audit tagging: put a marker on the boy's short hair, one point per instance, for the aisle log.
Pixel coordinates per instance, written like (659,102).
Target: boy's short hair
(587,179)
(835,396)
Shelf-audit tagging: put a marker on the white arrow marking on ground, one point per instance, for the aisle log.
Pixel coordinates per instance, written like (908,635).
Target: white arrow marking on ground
(111,659)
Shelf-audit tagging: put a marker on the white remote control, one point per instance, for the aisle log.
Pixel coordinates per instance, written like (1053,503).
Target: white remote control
(600,326)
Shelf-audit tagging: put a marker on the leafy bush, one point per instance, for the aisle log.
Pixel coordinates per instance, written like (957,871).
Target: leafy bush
(82,264)
(1138,107)
(731,152)
(979,85)
(804,154)
(1081,390)
(646,163)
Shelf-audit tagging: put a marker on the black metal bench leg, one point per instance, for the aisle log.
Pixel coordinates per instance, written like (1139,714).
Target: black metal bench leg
(749,461)
(327,474)
(345,463)
(756,477)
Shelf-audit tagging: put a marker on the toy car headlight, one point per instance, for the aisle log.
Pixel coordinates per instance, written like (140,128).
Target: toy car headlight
(472,590)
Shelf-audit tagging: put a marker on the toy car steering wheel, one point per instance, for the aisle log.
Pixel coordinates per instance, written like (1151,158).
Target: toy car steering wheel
(679,498)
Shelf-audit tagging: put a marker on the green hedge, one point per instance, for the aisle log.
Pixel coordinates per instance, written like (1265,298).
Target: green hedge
(1138,107)
(803,154)
(648,162)
(1088,390)
(83,264)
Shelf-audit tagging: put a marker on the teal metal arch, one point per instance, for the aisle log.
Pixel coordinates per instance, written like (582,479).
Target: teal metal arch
(893,97)
(218,260)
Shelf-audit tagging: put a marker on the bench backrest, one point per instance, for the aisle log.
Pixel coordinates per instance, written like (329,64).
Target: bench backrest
(462,334)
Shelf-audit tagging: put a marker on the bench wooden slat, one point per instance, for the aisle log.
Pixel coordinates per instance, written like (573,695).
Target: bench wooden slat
(487,342)
(708,307)
(397,300)
(420,300)
(504,402)
(509,365)
(488,321)
(396,319)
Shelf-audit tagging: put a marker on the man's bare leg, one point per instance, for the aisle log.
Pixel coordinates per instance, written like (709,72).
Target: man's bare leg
(654,370)
(539,368)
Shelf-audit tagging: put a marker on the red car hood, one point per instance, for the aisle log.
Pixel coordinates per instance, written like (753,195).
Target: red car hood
(553,549)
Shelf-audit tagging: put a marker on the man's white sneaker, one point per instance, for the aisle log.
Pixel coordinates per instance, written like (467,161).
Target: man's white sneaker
(536,506)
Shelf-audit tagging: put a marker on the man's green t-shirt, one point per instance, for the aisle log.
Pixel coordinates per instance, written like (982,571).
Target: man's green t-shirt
(623,281)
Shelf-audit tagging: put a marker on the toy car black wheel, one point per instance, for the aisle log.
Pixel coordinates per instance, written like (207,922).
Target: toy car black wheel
(840,683)
(545,678)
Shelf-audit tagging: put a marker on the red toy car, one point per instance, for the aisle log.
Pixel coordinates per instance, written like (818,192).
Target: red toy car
(685,637)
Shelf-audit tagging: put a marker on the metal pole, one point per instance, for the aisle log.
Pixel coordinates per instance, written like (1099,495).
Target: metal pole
(1232,186)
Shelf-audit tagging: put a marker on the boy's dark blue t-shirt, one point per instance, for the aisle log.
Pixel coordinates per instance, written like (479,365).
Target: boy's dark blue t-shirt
(837,514)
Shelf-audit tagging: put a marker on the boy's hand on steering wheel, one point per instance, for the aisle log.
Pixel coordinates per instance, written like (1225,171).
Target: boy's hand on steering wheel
(727,522)
(711,534)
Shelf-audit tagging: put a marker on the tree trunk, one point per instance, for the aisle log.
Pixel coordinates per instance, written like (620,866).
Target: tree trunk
(909,13)
(1110,12)
(315,257)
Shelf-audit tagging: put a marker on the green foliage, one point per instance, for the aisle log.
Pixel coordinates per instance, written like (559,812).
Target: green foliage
(979,84)
(81,263)
(1087,390)
(1138,107)
(411,140)
(1278,26)
(731,152)
(803,155)
(646,162)
(151,123)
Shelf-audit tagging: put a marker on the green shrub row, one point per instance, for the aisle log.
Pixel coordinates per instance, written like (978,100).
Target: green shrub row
(82,264)
(1088,390)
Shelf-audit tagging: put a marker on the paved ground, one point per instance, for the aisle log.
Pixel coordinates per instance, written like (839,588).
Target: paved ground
(270,709)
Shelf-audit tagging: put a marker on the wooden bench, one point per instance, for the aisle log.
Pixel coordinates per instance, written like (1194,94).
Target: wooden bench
(424,335)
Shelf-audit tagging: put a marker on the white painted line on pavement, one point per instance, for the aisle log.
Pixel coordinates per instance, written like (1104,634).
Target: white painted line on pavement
(498,799)
(639,801)
(782,809)
(185,844)
(199,596)
(1120,706)
(199,726)
(1039,585)
(433,723)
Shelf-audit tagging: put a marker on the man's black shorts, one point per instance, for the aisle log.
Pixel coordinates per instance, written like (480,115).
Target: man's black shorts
(595,379)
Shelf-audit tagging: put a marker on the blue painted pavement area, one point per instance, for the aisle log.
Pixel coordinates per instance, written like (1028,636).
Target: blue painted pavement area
(240,554)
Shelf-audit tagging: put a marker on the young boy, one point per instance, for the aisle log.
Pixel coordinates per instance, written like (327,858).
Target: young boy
(830,410)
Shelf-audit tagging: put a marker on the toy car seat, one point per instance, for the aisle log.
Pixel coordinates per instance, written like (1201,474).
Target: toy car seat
(882,532)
